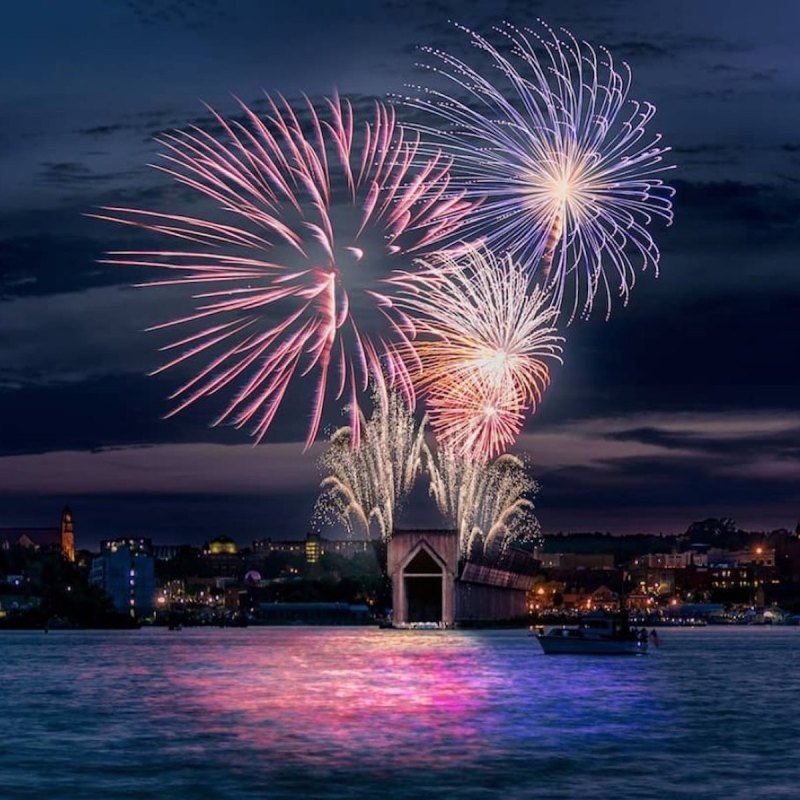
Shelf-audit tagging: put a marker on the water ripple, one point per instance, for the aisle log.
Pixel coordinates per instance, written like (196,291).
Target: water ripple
(338,713)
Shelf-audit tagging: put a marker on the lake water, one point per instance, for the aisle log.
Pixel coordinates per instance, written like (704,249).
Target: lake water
(356,712)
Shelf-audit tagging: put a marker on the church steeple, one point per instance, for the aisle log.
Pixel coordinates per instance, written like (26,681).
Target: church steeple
(67,534)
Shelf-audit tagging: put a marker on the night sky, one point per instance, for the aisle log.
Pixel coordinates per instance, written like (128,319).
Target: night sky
(685,405)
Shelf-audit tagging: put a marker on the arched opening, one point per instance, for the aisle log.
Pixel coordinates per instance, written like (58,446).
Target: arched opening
(424,588)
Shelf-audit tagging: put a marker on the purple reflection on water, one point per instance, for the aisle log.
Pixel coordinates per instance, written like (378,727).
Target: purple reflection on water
(415,698)
(316,698)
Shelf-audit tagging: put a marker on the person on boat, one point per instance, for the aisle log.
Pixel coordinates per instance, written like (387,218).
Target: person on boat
(655,637)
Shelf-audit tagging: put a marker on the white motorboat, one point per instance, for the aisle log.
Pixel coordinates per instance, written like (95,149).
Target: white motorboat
(596,635)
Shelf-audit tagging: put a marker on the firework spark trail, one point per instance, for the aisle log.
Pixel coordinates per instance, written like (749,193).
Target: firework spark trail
(275,178)
(482,345)
(488,503)
(364,485)
(545,135)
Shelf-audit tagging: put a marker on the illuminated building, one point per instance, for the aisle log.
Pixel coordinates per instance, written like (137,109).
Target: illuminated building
(67,534)
(135,544)
(346,548)
(602,598)
(265,547)
(313,547)
(684,560)
(222,545)
(125,570)
(60,539)
(221,558)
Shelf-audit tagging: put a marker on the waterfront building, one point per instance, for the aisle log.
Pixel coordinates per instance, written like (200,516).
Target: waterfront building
(431,584)
(60,539)
(639,600)
(498,592)
(423,566)
(602,598)
(545,595)
(656,581)
(127,575)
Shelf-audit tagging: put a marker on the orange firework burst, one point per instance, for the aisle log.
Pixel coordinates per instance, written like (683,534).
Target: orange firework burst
(482,345)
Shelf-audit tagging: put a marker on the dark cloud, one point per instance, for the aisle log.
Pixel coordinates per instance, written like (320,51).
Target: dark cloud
(49,264)
(102,130)
(640,50)
(648,462)
(71,174)
(761,207)
(708,148)
(191,14)
(778,438)
(85,415)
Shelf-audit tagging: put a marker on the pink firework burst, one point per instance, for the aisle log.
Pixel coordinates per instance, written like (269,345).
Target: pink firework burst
(294,262)
(477,418)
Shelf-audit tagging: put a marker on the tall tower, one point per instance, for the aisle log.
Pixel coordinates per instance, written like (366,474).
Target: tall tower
(67,535)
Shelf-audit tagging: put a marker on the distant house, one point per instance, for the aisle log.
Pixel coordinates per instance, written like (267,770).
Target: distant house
(601,598)
(605,599)
(60,539)
(639,601)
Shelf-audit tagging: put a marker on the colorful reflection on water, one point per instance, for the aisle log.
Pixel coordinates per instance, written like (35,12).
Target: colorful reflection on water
(352,697)
(427,699)
(283,712)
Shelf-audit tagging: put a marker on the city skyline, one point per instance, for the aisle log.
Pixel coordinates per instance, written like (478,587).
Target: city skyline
(683,406)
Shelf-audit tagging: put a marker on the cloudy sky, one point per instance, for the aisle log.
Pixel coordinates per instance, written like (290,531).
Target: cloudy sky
(684,405)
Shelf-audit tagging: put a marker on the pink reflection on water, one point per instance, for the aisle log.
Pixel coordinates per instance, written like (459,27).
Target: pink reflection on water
(309,696)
